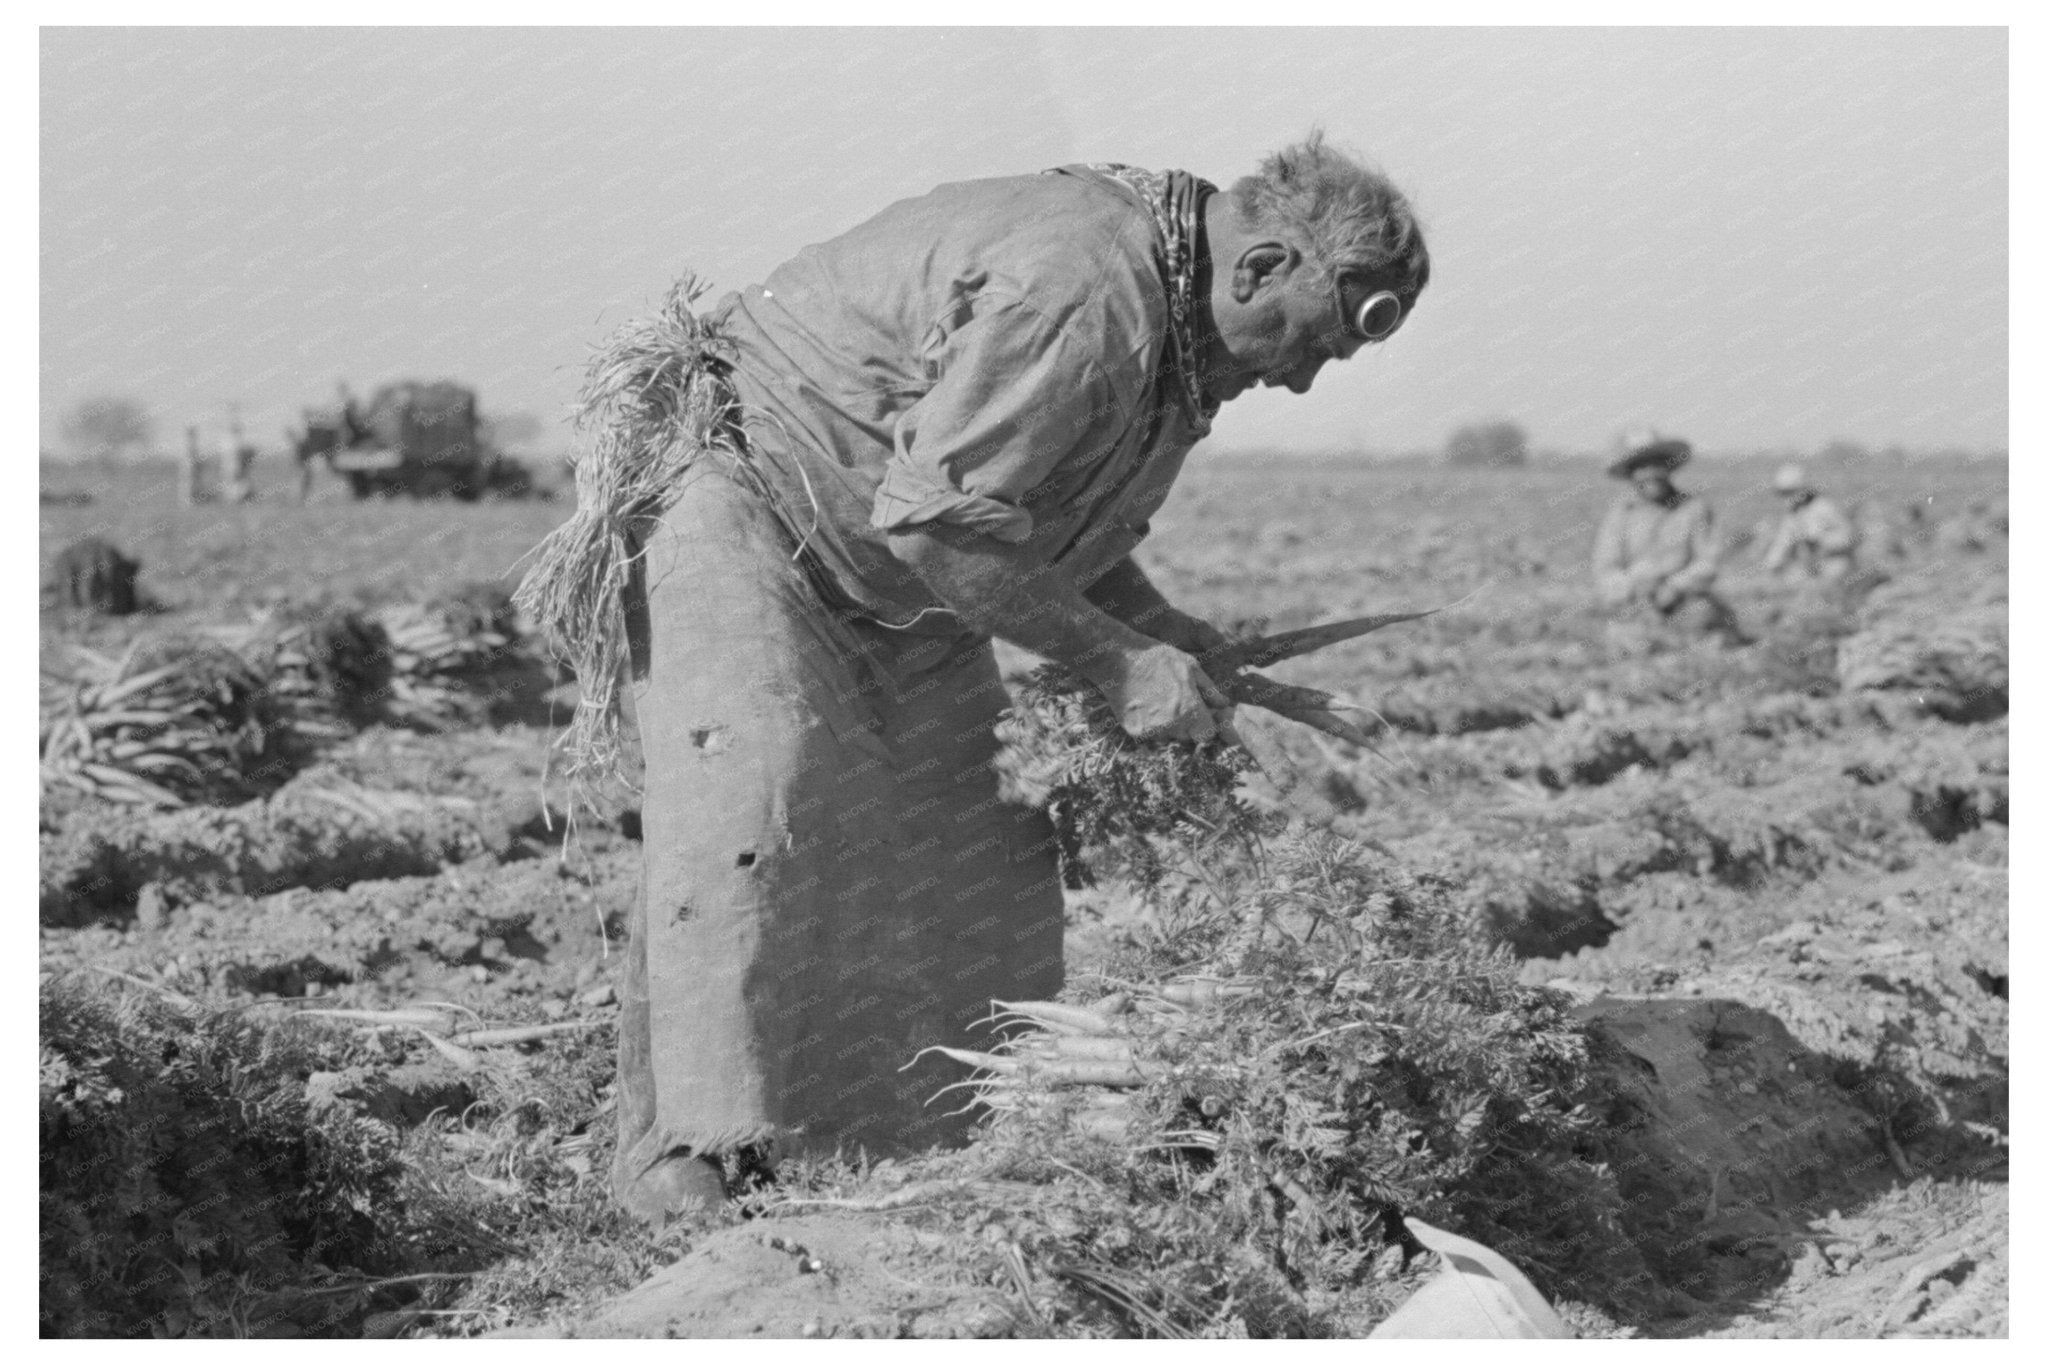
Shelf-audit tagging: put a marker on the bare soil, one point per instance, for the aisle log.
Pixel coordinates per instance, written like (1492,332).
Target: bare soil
(1783,917)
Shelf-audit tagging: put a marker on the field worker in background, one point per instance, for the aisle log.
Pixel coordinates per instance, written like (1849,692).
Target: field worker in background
(1658,547)
(348,416)
(242,460)
(952,422)
(327,430)
(1816,540)
(196,485)
(302,453)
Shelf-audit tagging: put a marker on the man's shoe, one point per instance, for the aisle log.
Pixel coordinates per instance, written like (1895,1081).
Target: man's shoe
(674,1187)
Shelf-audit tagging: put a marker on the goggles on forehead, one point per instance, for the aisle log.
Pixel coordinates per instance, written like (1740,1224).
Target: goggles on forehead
(1371,318)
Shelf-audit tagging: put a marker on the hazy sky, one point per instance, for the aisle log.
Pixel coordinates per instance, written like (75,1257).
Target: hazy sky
(1754,237)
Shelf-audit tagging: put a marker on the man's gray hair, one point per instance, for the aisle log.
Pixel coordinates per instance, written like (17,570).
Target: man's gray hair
(1342,214)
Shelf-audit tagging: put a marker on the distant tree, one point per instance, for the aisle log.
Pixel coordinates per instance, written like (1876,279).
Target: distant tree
(1841,451)
(1488,444)
(513,429)
(106,426)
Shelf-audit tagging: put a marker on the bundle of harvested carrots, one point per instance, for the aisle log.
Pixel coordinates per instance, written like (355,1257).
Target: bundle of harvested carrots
(1065,752)
(454,1039)
(439,1022)
(168,722)
(1077,1064)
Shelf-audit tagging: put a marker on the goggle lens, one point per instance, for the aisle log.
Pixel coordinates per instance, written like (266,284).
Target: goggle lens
(1377,317)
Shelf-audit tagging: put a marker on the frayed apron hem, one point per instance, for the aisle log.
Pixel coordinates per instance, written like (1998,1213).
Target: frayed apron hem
(653,1148)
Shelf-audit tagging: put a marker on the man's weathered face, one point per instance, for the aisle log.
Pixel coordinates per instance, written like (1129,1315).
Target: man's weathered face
(1282,335)
(1652,484)
(1314,334)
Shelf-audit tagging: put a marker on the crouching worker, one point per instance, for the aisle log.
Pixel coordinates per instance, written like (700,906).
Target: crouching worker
(1816,540)
(803,514)
(1658,548)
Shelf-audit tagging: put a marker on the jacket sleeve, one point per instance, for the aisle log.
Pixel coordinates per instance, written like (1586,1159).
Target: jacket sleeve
(1780,552)
(1832,530)
(1703,546)
(1014,397)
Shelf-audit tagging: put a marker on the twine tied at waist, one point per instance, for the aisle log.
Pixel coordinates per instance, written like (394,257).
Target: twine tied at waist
(655,401)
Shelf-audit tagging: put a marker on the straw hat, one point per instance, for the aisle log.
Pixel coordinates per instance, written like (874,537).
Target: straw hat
(1644,449)
(1792,479)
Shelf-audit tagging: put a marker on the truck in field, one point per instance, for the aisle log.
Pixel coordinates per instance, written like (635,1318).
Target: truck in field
(420,440)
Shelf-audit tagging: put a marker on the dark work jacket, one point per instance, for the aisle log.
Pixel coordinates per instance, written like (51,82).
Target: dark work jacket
(987,356)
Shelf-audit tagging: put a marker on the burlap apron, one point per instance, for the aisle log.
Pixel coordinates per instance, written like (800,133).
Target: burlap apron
(831,882)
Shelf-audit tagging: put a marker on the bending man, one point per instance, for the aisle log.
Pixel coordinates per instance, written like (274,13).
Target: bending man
(953,422)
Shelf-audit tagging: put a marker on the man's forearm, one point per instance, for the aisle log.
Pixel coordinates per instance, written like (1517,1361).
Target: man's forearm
(1128,595)
(1779,551)
(1157,690)
(996,589)
(1658,569)
(1696,574)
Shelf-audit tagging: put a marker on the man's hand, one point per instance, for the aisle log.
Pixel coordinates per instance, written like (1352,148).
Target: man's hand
(1646,581)
(1160,692)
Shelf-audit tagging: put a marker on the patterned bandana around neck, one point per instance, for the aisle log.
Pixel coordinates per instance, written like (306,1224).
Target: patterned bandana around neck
(1175,198)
